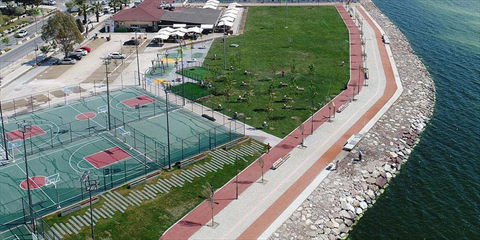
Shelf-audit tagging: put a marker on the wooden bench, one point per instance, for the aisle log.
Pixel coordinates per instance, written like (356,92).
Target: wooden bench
(280,161)
(285,106)
(283,84)
(300,89)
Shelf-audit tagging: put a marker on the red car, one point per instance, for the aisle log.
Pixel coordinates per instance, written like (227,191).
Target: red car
(86,49)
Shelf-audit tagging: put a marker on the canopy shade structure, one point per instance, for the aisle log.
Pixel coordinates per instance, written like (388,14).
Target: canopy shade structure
(182,29)
(179,26)
(224,23)
(195,30)
(167,29)
(213,1)
(230,14)
(227,19)
(163,37)
(210,6)
(232,10)
(178,33)
(235,4)
(206,26)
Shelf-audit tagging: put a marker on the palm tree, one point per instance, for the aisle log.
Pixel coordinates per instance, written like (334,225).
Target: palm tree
(97,9)
(83,9)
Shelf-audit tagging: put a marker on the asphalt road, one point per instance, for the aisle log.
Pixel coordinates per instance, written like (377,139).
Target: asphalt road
(20,51)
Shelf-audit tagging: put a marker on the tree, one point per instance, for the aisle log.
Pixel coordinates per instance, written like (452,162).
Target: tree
(79,25)
(300,124)
(83,9)
(115,4)
(69,6)
(261,162)
(45,49)
(313,92)
(208,194)
(271,94)
(97,9)
(6,40)
(62,30)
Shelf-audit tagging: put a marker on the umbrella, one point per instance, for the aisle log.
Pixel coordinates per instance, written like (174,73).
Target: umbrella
(230,14)
(195,29)
(167,29)
(210,6)
(225,23)
(178,33)
(162,36)
(213,1)
(184,30)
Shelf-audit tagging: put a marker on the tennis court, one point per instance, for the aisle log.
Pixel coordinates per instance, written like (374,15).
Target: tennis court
(65,141)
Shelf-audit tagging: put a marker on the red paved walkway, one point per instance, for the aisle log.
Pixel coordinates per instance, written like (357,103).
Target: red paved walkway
(201,215)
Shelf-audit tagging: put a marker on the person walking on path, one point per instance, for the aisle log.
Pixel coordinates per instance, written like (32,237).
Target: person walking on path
(268,147)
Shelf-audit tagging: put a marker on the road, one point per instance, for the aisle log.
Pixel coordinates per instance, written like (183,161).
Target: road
(18,52)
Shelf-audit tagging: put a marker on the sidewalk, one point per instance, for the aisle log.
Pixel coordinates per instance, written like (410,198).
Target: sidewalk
(239,215)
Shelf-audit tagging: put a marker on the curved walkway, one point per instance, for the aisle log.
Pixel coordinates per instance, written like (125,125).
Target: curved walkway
(263,217)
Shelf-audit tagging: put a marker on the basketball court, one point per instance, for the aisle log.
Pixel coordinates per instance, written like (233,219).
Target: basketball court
(61,143)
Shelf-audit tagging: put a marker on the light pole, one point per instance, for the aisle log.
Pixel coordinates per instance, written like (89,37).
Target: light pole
(286,13)
(236,177)
(90,185)
(23,126)
(183,77)
(165,88)
(3,125)
(224,48)
(106,63)
(136,49)
(36,49)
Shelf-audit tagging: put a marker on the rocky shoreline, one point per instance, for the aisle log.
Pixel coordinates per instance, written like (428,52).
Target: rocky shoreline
(345,194)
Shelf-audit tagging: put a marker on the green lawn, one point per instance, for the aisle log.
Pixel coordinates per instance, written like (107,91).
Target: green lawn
(192,91)
(315,35)
(195,73)
(153,217)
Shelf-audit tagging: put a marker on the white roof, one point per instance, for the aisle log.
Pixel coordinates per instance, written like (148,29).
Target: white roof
(195,29)
(182,29)
(228,19)
(210,6)
(230,14)
(228,24)
(178,33)
(206,26)
(164,37)
(167,29)
(179,26)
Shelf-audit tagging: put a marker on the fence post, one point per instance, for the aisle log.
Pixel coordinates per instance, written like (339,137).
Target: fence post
(71,137)
(125,167)
(88,126)
(80,91)
(209,139)
(123,117)
(14,108)
(182,148)
(51,137)
(215,135)
(31,102)
(134,139)
(230,123)
(94,88)
(138,105)
(145,145)
(199,143)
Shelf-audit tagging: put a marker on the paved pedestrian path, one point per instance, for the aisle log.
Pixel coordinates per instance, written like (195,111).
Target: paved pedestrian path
(259,206)
(116,202)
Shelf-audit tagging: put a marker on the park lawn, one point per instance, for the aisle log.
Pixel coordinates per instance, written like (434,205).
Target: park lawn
(153,217)
(195,73)
(315,35)
(192,91)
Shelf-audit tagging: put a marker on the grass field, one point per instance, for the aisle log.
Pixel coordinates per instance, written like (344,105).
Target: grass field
(192,91)
(152,218)
(315,35)
(195,73)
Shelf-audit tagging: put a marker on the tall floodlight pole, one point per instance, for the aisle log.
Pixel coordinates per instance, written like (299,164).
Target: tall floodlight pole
(236,177)
(90,185)
(165,88)
(36,49)
(106,63)
(136,49)
(23,127)
(224,48)
(286,13)
(183,76)
(3,126)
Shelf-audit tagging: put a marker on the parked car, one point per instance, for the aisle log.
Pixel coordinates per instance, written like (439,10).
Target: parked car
(117,55)
(67,61)
(22,33)
(49,2)
(86,49)
(132,42)
(76,56)
(83,52)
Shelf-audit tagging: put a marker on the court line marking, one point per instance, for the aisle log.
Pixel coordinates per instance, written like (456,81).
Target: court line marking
(37,185)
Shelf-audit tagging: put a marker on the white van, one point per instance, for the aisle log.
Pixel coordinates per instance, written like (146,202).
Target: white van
(107,10)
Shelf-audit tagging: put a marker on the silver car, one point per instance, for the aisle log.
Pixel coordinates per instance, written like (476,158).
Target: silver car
(117,55)
(67,61)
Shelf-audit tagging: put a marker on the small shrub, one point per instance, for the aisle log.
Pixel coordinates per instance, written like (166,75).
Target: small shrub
(7,49)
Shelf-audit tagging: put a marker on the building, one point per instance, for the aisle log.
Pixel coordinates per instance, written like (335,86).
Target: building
(151,15)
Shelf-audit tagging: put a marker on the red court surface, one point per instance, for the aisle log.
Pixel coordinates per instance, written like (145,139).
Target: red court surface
(138,101)
(35,182)
(85,115)
(107,157)
(34,131)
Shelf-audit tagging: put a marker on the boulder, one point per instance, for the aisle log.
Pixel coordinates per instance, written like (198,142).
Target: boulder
(344,214)
(332,224)
(343,228)
(381,182)
(327,231)
(358,211)
(348,222)
(363,205)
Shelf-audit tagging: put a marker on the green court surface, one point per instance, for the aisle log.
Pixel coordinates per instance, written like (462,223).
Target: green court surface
(63,141)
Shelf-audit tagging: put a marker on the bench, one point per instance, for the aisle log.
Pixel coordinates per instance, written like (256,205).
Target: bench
(189,161)
(283,84)
(341,108)
(300,89)
(208,117)
(136,183)
(280,161)
(285,106)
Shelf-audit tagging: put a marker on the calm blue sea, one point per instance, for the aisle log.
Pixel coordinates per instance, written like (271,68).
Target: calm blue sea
(437,194)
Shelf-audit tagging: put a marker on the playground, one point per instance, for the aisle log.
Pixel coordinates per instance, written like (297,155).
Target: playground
(63,142)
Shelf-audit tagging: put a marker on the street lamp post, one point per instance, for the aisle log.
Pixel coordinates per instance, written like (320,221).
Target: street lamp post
(106,63)
(23,126)
(165,88)
(3,126)
(90,185)
(236,177)
(183,76)
(138,63)
(36,49)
